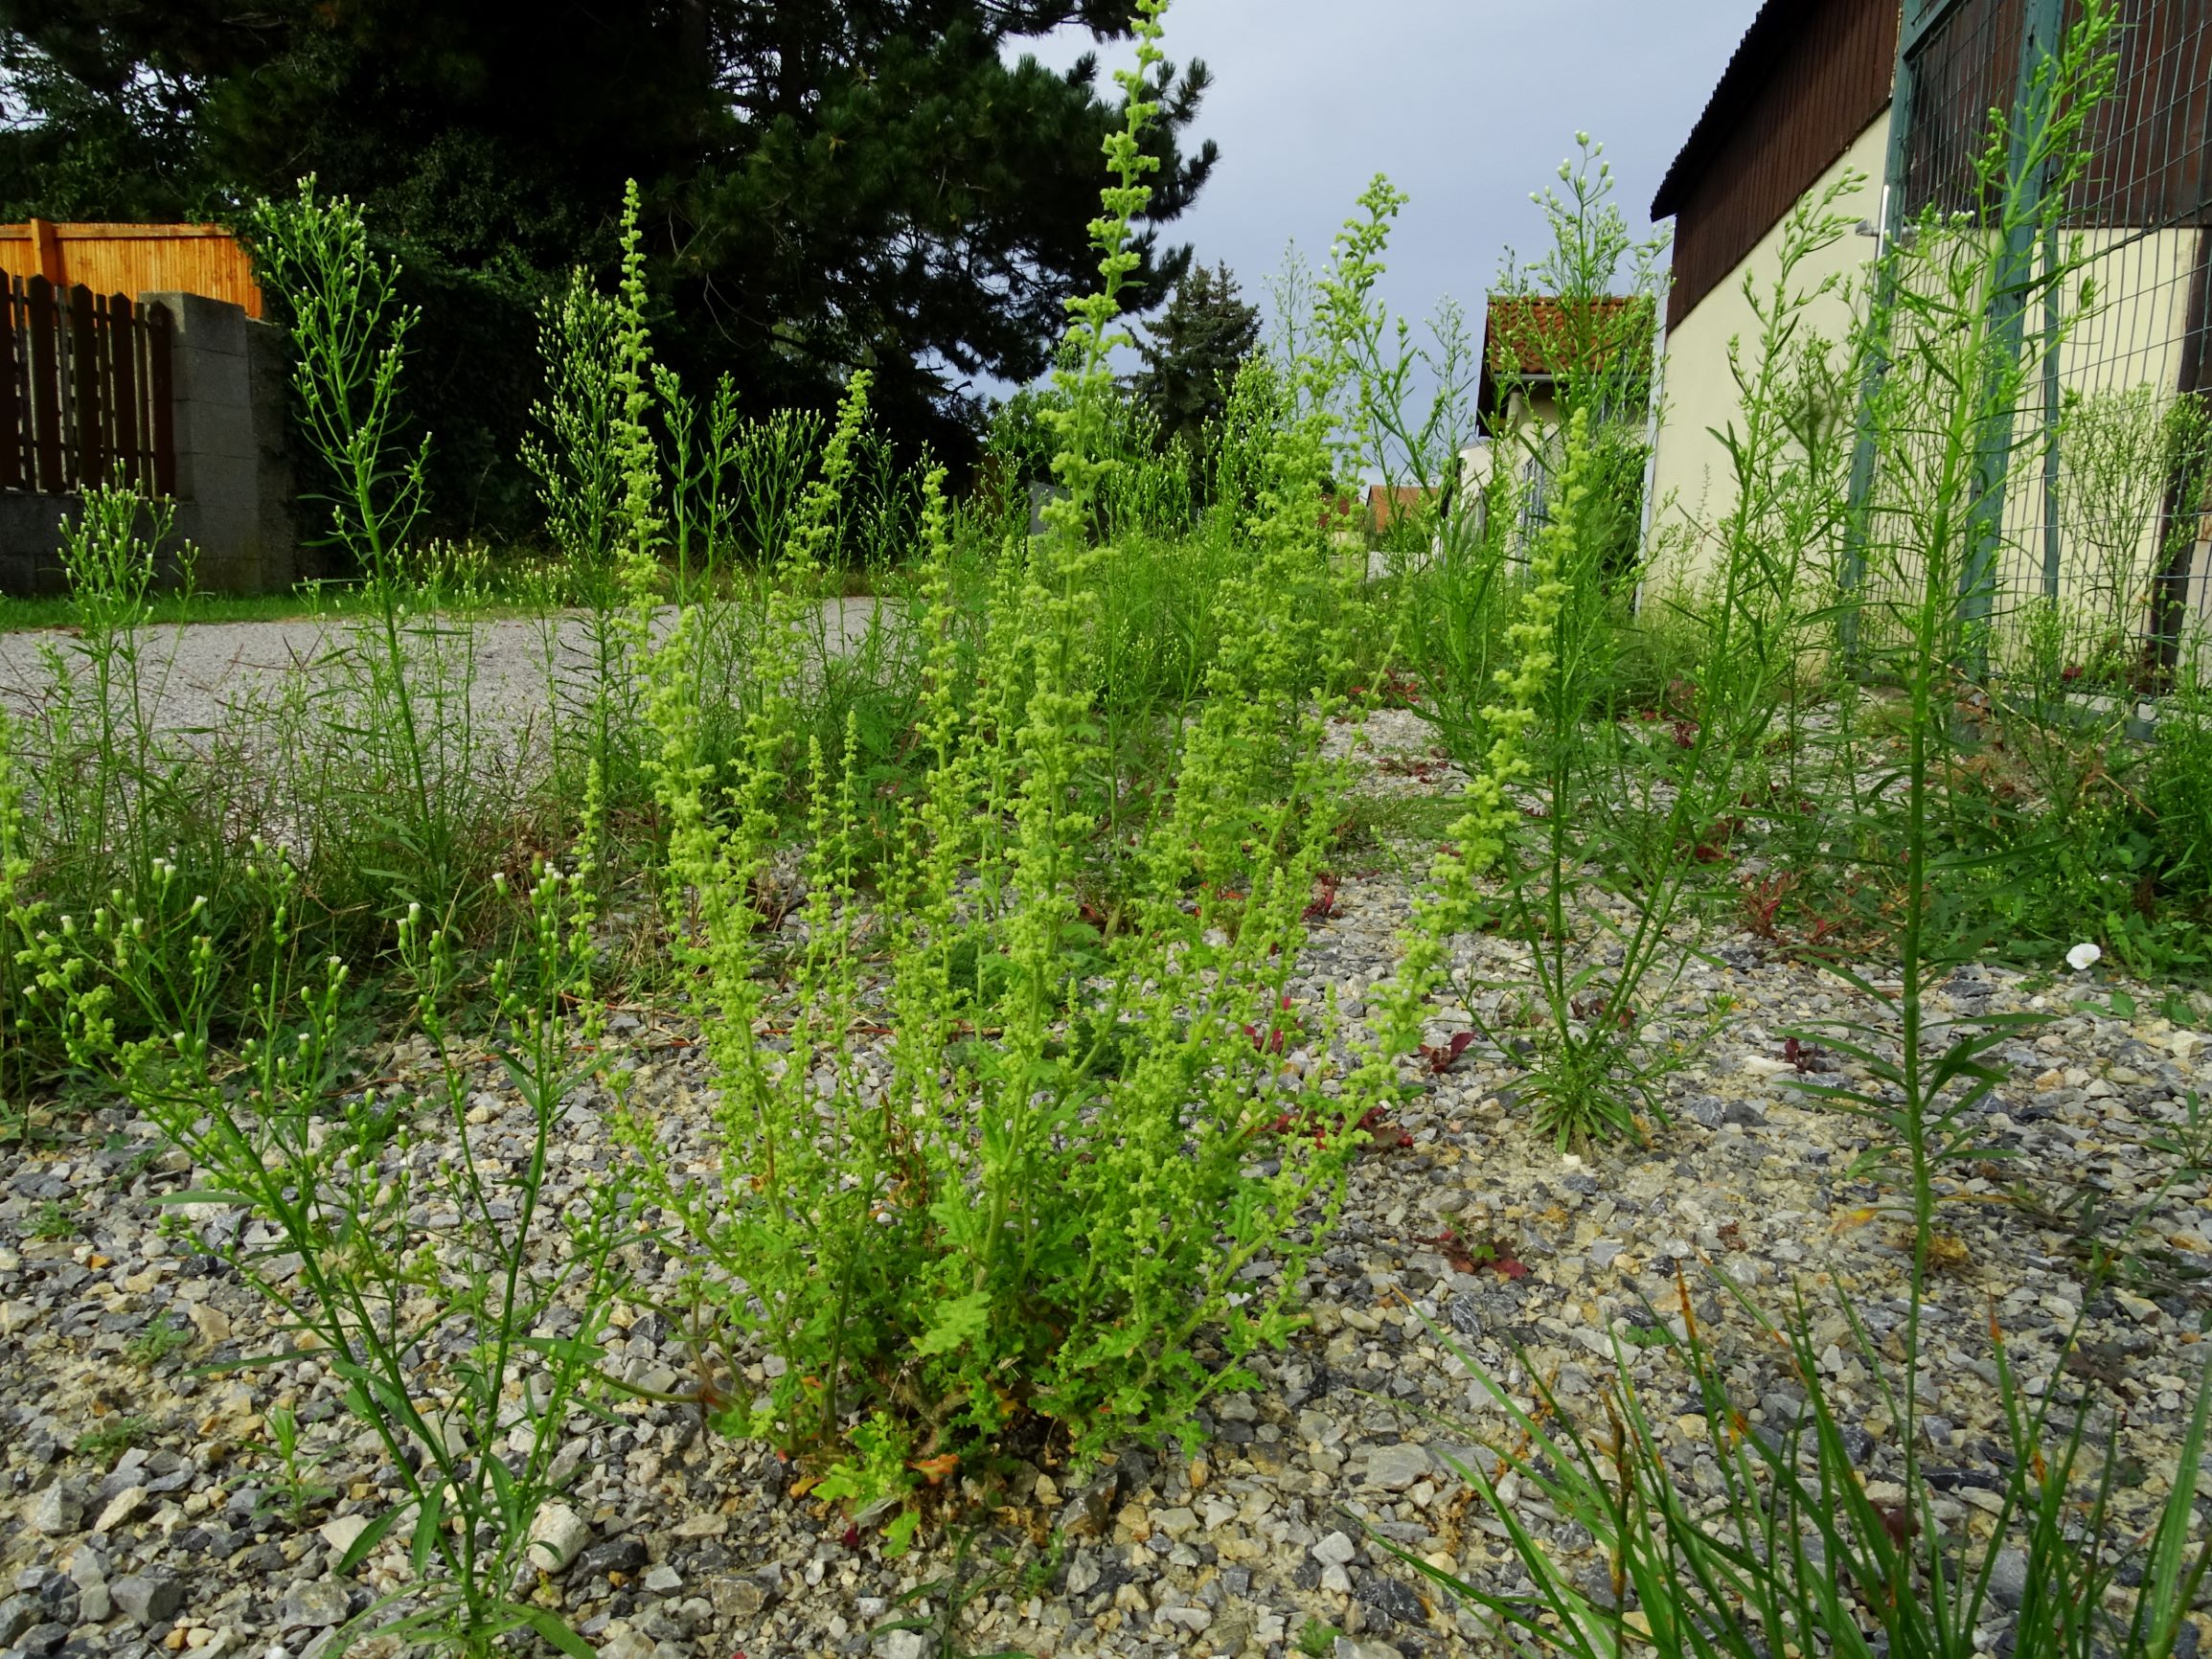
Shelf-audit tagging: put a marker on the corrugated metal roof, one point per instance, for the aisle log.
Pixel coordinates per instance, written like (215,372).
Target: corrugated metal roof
(1763,45)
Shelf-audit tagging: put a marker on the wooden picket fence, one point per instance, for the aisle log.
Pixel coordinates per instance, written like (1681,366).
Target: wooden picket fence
(134,259)
(85,391)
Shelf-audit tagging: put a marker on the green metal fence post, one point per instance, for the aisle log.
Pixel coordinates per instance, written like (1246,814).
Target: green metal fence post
(2006,322)
(2052,408)
(1917,18)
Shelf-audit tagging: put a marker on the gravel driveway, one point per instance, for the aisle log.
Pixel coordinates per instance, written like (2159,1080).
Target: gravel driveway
(1282,1518)
(206,676)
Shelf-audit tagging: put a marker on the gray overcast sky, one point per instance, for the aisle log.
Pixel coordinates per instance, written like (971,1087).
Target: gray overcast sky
(1467,104)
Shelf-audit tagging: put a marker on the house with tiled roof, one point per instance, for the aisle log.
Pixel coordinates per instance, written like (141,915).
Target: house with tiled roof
(1532,345)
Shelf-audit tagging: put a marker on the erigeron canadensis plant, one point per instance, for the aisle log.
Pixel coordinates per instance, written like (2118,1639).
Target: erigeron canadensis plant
(105,769)
(773,454)
(111,804)
(2122,453)
(1032,1203)
(1579,329)
(348,330)
(1947,370)
(411,1253)
(575,458)
(1975,857)
(1564,336)
(2060,788)
(18,923)
(1640,806)
(573,454)
(704,449)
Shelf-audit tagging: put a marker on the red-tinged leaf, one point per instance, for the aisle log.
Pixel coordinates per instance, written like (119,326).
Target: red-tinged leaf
(1511,1268)
(851,1539)
(936,1470)
(1445,1056)
(1323,907)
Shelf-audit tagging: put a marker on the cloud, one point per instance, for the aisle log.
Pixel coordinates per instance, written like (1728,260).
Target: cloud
(1468,104)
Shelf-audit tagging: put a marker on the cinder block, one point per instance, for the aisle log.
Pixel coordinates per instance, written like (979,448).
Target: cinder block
(212,426)
(210,377)
(201,324)
(235,485)
(31,541)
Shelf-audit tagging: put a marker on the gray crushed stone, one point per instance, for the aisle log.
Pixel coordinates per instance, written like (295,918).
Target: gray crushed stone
(674,1543)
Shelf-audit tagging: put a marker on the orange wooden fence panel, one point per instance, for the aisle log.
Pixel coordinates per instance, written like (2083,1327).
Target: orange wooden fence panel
(132,258)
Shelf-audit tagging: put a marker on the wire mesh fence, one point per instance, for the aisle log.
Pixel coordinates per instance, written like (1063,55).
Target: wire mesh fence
(2099,547)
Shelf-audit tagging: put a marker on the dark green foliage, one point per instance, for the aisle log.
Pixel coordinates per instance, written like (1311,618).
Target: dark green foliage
(2180,791)
(824,186)
(1196,346)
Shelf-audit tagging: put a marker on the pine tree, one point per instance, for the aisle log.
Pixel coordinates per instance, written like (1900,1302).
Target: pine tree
(827,186)
(1195,347)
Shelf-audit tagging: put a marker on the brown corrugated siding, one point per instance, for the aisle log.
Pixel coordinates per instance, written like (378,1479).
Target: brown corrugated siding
(1829,80)
(117,259)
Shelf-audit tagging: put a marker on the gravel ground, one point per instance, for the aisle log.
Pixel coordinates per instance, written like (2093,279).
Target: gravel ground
(696,1549)
(204,677)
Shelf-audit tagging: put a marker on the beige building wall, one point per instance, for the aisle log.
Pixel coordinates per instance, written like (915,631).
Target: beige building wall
(1528,422)
(1691,487)
(2130,338)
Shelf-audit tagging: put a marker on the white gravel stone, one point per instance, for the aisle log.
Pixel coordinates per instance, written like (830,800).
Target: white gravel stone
(120,1508)
(56,1511)
(1334,1550)
(1396,1467)
(556,1538)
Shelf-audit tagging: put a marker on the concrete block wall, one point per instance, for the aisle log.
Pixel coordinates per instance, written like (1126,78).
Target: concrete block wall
(234,482)
(31,540)
(233,489)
